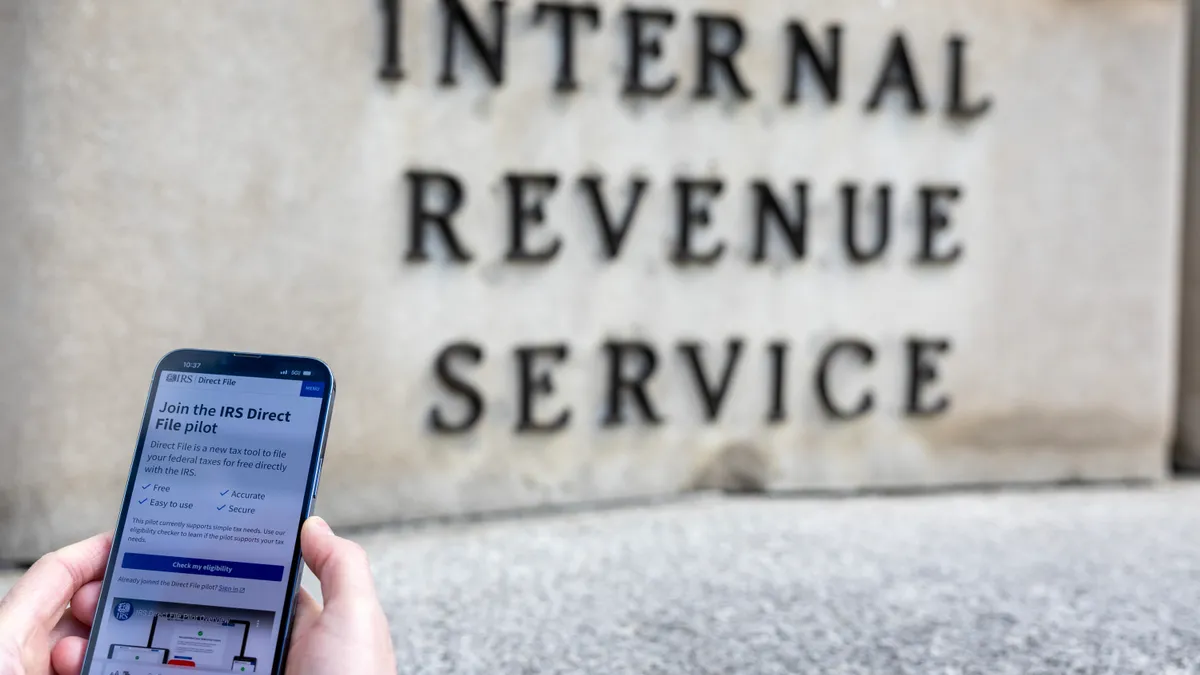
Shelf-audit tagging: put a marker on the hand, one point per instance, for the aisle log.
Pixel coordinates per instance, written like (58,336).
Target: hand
(350,634)
(38,636)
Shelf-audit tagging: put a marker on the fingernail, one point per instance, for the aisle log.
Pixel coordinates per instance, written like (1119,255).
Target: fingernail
(320,525)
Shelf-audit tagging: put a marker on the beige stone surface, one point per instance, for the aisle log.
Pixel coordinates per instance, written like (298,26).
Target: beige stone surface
(232,176)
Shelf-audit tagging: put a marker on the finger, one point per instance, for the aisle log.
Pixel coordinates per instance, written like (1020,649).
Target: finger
(340,564)
(67,656)
(83,603)
(68,626)
(40,596)
(308,610)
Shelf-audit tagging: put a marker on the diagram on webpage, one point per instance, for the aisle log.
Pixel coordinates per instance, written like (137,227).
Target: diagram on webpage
(169,637)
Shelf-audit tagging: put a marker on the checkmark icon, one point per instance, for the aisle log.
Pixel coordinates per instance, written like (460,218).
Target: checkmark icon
(147,485)
(142,501)
(221,507)
(225,493)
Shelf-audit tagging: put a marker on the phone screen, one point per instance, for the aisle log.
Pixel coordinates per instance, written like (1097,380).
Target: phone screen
(205,557)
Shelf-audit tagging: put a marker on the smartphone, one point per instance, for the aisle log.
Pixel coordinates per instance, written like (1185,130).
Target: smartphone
(205,561)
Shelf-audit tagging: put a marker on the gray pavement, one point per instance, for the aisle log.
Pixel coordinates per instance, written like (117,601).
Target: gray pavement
(1082,581)
(1101,580)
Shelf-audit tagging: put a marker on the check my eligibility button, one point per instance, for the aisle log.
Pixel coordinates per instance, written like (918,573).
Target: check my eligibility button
(230,569)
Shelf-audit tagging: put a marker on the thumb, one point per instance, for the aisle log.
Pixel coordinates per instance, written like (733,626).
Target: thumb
(340,564)
(37,601)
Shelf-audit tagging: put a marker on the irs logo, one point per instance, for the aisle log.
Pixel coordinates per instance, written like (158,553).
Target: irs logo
(123,610)
(172,377)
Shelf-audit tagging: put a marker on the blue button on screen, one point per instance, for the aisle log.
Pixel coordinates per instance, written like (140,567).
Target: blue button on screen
(312,389)
(230,569)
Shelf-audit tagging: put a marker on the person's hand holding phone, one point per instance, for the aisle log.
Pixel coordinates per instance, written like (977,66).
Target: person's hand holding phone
(38,636)
(350,633)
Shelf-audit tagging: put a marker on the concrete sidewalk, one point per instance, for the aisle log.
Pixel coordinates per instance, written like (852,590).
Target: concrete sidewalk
(1075,581)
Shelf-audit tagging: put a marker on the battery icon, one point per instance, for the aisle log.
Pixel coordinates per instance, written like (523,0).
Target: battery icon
(307,372)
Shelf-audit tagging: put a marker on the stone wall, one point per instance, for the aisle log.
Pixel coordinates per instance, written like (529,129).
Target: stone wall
(263,176)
